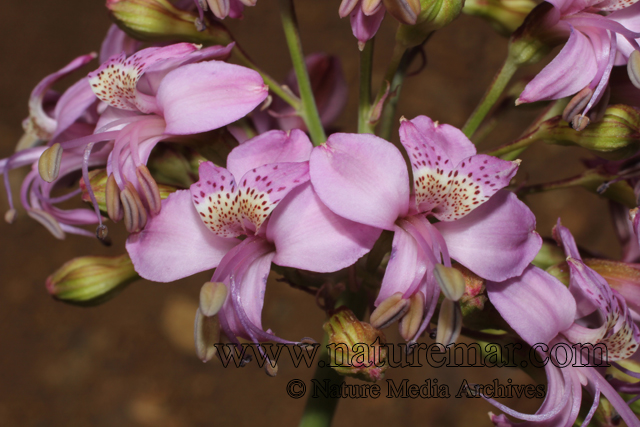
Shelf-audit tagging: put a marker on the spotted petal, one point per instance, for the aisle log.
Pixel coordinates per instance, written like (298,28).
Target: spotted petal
(472,183)
(215,197)
(115,81)
(262,188)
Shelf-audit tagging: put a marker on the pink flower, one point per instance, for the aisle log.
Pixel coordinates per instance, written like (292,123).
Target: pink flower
(364,178)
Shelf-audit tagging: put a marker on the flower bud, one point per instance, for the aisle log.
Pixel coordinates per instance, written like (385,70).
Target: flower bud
(614,137)
(356,348)
(159,20)
(505,16)
(434,14)
(91,280)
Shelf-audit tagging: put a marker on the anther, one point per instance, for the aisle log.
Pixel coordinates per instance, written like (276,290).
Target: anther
(451,281)
(577,104)
(449,322)
(102,233)
(206,335)
(271,368)
(411,321)
(149,189)
(10,216)
(135,216)
(49,163)
(580,122)
(633,68)
(48,221)
(112,196)
(212,297)
(389,311)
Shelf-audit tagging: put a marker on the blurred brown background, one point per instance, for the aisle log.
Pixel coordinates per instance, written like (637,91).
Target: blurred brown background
(130,362)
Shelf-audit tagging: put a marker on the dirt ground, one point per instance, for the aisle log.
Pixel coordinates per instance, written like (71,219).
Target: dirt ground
(131,362)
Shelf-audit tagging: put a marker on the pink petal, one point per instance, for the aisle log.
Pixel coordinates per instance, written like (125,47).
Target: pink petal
(175,243)
(362,178)
(572,70)
(497,241)
(253,286)
(365,27)
(200,97)
(473,182)
(406,266)
(309,236)
(275,146)
(116,42)
(73,103)
(536,305)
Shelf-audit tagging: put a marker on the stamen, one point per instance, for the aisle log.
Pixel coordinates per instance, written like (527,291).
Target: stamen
(49,163)
(389,311)
(48,221)
(112,197)
(149,189)
(271,368)
(449,322)
(580,122)
(10,216)
(85,176)
(135,216)
(577,104)
(633,68)
(411,321)
(212,297)
(451,281)
(102,233)
(206,333)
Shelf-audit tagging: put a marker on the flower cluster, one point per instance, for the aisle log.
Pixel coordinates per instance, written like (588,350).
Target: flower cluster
(211,165)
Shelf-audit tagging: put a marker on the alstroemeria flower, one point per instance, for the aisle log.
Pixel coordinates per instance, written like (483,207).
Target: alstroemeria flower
(264,194)
(543,311)
(364,178)
(154,94)
(596,42)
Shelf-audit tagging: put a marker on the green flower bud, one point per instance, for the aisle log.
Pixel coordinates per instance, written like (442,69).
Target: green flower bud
(505,16)
(356,348)
(98,179)
(159,20)
(434,14)
(91,280)
(614,137)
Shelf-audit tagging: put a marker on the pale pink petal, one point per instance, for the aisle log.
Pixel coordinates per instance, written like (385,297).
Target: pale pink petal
(497,240)
(116,42)
(175,243)
(362,178)
(73,103)
(472,183)
(275,146)
(200,97)
(253,286)
(309,236)
(536,305)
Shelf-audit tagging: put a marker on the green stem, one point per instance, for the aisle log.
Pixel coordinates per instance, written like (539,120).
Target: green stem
(364,106)
(319,411)
(309,111)
(396,59)
(389,111)
(284,93)
(496,88)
